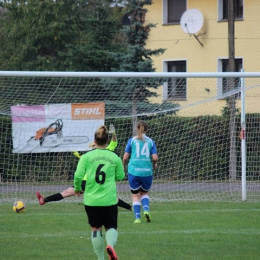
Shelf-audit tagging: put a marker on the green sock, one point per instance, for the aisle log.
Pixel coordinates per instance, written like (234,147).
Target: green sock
(98,244)
(111,237)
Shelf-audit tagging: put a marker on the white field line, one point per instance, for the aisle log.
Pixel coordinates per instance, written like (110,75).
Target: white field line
(86,235)
(127,211)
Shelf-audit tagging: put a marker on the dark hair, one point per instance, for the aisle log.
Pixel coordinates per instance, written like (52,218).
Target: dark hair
(101,135)
(142,128)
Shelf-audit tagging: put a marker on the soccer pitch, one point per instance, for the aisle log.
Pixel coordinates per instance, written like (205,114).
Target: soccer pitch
(179,230)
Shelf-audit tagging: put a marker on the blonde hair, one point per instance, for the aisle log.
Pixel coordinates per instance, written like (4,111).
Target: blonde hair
(101,135)
(92,145)
(142,128)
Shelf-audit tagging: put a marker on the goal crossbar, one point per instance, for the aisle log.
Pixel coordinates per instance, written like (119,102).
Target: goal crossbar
(197,119)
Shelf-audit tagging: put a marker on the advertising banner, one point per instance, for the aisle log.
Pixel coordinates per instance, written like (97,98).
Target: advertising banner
(55,127)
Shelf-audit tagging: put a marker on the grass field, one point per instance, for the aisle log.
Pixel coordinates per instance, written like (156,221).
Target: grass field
(179,230)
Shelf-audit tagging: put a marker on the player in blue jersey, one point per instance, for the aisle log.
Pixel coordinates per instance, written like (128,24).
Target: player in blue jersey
(141,158)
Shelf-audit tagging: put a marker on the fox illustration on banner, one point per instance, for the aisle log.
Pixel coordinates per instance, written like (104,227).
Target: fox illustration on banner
(55,127)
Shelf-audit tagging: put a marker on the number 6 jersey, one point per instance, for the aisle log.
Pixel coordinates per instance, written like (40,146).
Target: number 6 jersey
(102,168)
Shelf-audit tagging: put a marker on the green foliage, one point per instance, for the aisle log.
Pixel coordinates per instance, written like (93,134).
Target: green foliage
(190,149)
(78,36)
(137,58)
(59,35)
(226,110)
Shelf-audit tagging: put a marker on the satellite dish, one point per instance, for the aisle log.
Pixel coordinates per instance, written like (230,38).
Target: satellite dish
(192,22)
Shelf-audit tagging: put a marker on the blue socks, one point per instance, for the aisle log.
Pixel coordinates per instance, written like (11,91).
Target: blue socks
(145,202)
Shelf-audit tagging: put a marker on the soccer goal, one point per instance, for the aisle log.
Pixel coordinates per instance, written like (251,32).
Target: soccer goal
(206,127)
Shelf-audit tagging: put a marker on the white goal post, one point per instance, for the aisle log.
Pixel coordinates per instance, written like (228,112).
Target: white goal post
(198,121)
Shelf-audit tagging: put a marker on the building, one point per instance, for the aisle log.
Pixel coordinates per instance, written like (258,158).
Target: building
(204,49)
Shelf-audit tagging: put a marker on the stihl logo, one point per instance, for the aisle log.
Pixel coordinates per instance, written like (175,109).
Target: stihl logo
(87,111)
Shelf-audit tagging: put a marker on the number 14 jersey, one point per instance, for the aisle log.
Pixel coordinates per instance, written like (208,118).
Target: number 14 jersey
(140,163)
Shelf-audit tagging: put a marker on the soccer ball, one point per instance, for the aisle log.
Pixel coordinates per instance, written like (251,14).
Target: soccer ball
(19,206)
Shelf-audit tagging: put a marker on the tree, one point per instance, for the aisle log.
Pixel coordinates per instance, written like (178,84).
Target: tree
(58,35)
(69,35)
(80,35)
(98,39)
(232,85)
(137,58)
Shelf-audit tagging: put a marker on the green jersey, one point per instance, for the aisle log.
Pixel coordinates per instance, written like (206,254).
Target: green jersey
(102,168)
(111,147)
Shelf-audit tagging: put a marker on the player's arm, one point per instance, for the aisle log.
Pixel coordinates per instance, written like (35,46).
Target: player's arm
(127,153)
(77,154)
(125,160)
(155,160)
(113,144)
(120,174)
(79,174)
(154,156)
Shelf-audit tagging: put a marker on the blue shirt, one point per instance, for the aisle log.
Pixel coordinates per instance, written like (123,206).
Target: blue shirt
(140,163)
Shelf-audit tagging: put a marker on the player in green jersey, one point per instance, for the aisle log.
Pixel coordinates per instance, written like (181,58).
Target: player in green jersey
(103,169)
(69,192)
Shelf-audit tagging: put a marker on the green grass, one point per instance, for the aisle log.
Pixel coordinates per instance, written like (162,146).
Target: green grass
(179,230)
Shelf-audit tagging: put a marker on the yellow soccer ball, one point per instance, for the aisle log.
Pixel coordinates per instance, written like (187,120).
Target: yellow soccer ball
(19,206)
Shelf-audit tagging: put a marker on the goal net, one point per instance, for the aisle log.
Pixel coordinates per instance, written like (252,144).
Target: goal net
(194,118)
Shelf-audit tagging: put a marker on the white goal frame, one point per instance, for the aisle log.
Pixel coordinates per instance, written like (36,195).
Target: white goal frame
(117,75)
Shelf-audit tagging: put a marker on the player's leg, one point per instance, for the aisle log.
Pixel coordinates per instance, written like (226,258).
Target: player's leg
(146,206)
(40,198)
(124,204)
(43,200)
(96,234)
(146,183)
(55,197)
(68,192)
(135,190)
(111,253)
(136,206)
(109,220)
(98,243)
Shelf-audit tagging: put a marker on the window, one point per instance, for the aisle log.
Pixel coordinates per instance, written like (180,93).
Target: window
(126,20)
(173,10)
(225,82)
(238,9)
(175,88)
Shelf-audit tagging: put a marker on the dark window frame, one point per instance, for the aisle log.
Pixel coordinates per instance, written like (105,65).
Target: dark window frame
(238,10)
(225,81)
(175,9)
(177,87)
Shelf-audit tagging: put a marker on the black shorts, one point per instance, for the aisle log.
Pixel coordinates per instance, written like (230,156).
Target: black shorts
(99,216)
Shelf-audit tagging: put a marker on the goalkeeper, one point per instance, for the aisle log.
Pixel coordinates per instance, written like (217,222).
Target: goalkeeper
(70,191)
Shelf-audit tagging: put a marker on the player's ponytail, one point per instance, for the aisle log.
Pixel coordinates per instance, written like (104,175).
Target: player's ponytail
(101,135)
(141,129)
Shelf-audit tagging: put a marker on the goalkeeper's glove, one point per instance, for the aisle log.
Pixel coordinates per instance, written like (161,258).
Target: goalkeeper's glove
(112,129)
(77,154)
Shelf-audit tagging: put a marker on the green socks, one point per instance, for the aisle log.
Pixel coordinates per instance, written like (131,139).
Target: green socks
(111,237)
(98,244)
